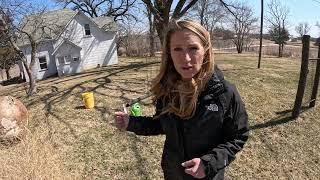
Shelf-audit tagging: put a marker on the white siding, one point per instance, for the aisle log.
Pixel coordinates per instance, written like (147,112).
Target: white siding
(71,67)
(45,49)
(97,49)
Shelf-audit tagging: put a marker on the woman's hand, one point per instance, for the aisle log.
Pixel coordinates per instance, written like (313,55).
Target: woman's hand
(121,120)
(195,168)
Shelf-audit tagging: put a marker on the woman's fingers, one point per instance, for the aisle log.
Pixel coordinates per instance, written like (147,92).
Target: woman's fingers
(194,167)
(121,120)
(191,167)
(119,113)
(189,163)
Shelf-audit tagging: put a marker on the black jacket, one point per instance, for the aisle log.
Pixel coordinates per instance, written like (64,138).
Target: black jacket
(218,130)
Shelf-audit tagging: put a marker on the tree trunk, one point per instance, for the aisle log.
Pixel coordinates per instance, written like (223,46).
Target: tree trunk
(238,48)
(161,29)
(161,11)
(162,24)
(151,33)
(32,80)
(32,86)
(238,45)
(203,6)
(279,53)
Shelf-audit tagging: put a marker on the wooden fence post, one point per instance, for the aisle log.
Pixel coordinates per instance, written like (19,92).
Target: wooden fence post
(316,82)
(303,75)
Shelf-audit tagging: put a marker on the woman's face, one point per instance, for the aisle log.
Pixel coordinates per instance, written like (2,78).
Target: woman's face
(187,53)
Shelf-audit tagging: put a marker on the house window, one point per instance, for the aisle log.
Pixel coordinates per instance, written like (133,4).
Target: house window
(43,63)
(75,59)
(65,59)
(61,60)
(87,30)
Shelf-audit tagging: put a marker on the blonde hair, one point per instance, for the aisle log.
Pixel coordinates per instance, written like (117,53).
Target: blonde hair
(180,97)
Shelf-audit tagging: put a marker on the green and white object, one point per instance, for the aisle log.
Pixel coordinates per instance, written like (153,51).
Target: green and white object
(135,109)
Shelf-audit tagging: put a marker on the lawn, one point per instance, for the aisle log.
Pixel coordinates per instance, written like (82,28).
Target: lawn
(66,141)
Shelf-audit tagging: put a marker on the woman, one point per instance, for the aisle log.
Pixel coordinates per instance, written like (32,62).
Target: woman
(201,114)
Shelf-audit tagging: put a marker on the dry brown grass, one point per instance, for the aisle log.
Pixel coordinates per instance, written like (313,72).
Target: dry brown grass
(32,158)
(67,141)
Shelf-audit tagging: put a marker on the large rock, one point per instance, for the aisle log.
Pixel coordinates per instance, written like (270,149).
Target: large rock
(13,118)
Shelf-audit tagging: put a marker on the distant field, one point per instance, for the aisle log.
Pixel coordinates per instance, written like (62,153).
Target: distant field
(67,141)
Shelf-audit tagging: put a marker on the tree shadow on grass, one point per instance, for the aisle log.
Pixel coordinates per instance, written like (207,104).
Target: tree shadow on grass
(238,69)
(98,83)
(9,143)
(113,70)
(284,117)
(139,160)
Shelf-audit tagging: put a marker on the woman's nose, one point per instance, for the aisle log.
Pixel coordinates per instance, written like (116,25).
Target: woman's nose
(186,56)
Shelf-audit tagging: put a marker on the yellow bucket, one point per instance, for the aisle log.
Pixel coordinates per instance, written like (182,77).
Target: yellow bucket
(88,99)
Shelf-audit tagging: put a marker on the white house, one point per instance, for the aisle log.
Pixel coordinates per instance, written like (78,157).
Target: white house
(69,42)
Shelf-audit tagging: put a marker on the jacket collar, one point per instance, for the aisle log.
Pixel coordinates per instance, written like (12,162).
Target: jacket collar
(215,85)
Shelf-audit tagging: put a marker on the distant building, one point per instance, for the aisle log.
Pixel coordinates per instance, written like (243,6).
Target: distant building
(69,42)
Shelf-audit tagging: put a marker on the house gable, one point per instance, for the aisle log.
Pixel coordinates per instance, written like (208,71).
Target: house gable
(98,48)
(65,46)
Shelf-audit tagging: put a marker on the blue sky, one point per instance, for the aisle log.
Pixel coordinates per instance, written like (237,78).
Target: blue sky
(299,11)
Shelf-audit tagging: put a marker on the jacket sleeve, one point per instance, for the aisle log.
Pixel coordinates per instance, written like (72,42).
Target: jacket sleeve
(235,134)
(146,125)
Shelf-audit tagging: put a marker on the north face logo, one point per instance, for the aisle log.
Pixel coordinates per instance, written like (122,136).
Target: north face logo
(212,107)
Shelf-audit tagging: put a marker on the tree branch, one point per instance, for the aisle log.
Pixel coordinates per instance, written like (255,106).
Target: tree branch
(227,7)
(154,11)
(180,14)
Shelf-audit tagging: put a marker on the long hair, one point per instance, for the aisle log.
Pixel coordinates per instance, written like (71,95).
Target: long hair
(180,97)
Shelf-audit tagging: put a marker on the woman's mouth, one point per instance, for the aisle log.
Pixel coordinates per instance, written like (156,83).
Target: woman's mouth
(187,68)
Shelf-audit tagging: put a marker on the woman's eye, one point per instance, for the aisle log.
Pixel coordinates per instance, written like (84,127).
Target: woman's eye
(194,48)
(177,49)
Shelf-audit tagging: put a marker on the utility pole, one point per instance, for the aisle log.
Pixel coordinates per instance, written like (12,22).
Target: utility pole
(261,29)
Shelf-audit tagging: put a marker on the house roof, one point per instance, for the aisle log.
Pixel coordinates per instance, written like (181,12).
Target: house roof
(63,42)
(106,23)
(50,25)
(47,25)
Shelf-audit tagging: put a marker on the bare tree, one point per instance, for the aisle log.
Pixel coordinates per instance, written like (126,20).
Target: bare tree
(134,40)
(31,37)
(7,54)
(151,31)
(209,13)
(32,30)
(243,27)
(303,28)
(279,37)
(11,41)
(161,9)
(8,58)
(278,20)
(118,9)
